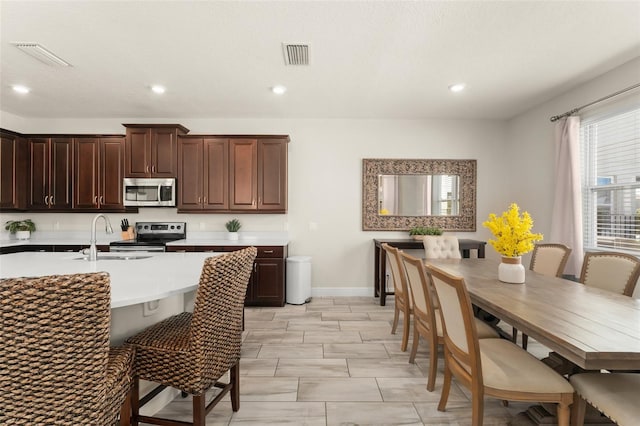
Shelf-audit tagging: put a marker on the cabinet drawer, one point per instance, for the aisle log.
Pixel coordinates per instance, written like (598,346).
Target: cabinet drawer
(270,251)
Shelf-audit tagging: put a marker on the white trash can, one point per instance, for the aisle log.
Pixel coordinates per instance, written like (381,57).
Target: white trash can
(298,280)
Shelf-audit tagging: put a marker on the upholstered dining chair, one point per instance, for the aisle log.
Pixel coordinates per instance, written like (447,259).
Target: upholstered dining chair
(613,394)
(402,299)
(191,351)
(490,367)
(441,247)
(546,259)
(613,271)
(426,319)
(56,366)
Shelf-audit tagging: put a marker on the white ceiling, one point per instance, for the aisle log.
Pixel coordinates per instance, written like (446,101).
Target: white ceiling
(369,59)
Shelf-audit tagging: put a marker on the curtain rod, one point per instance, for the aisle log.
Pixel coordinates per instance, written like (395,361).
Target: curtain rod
(573,111)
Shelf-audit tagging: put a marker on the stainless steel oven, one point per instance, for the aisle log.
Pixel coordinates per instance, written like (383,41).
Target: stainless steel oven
(152,237)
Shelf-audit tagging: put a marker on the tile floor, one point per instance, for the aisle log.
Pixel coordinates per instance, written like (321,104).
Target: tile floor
(334,361)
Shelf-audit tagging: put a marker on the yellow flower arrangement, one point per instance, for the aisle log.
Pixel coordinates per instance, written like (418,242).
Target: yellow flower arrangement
(512,232)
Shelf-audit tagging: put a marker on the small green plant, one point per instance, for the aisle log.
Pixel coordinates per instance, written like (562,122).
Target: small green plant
(425,230)
(14,226)
(233,225)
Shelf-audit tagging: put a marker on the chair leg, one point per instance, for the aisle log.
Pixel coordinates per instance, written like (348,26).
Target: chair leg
(234,378)
(446,386)
(578,410)
(396,315)
(405,331)
(433,361)
(414,345)
(199,409)
(477,410)
(564,414)
(135,400)
(525,341)
(125,411)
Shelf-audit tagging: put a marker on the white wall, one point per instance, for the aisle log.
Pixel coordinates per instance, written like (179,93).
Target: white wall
(325,182)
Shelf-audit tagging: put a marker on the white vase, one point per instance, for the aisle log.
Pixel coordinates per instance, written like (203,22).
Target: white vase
(23,235)
(511,270)
(233,236)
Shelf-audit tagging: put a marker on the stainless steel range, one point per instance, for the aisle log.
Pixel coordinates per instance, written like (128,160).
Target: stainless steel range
(152,237)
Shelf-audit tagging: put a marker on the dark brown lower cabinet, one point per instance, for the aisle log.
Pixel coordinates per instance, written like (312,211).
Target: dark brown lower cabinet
(267,283)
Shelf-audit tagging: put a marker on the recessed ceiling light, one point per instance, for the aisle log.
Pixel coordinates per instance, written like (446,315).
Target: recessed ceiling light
(458,87)
(278,90)
(158,89)
(21,89)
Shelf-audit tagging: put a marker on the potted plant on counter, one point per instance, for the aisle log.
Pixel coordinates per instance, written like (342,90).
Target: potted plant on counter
(418,232)
(22,228)
(233,226)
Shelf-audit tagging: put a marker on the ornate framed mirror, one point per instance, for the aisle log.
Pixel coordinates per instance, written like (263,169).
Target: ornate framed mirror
(399,194)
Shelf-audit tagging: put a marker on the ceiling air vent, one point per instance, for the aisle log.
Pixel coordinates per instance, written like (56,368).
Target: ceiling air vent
(296,53)
(42,54)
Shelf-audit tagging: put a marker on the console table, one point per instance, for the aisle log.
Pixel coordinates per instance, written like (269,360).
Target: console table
(410,244)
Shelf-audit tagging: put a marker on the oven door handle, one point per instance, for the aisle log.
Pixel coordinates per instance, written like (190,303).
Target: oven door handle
(159,193)
(138,248)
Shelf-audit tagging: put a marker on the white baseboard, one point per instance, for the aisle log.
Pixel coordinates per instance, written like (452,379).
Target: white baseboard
(341,291)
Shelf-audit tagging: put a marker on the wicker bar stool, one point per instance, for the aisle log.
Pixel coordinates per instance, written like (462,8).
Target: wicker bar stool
(191,351)
(56,367)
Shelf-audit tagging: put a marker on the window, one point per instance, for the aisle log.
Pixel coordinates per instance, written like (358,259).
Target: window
(610,145)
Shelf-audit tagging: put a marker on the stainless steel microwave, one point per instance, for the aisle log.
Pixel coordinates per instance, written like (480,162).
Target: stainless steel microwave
(149,192)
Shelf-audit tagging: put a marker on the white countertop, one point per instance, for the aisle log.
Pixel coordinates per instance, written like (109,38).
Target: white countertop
(61,238)
(132,281)
(193,239)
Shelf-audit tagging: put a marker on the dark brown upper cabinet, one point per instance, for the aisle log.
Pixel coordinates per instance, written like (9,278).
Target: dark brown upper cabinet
(203,173)
(243,174)
(272,175)
(13,171)
(232,174)
(98,173)
(152,150)
(50,179)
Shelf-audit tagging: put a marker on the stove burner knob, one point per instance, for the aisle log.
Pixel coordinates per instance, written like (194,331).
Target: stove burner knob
(172,227)
(179,226)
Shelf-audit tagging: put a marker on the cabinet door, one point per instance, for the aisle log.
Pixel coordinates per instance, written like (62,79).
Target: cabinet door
(138,152)
(61,174)
(9,168)
(111,172)
(216,174)
(38,195)
(190,162)
(243,179)
(164,150)
(86,175)
(269,282)
(272,175)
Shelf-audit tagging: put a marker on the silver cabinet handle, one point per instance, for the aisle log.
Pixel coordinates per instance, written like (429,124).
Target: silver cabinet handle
(51,202)
(153,169)
(268,252)
(46,200)
(101,199)
(95,200)
(199,198)
(146,169)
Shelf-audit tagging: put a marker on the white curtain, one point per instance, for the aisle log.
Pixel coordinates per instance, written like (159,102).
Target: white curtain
(566,222)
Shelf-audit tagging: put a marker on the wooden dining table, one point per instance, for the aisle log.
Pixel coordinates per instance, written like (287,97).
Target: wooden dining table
(594,329)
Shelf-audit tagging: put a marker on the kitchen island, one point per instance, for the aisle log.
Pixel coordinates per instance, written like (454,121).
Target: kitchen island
(144,278)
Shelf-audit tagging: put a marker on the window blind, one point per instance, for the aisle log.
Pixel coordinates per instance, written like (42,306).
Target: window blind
(610,149)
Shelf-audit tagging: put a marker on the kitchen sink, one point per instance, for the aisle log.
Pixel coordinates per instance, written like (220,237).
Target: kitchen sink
(116,257)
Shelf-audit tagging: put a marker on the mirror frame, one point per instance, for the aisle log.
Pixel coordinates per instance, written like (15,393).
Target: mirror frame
(372,167)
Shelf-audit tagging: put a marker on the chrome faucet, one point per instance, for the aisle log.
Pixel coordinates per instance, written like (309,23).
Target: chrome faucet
(93,251)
